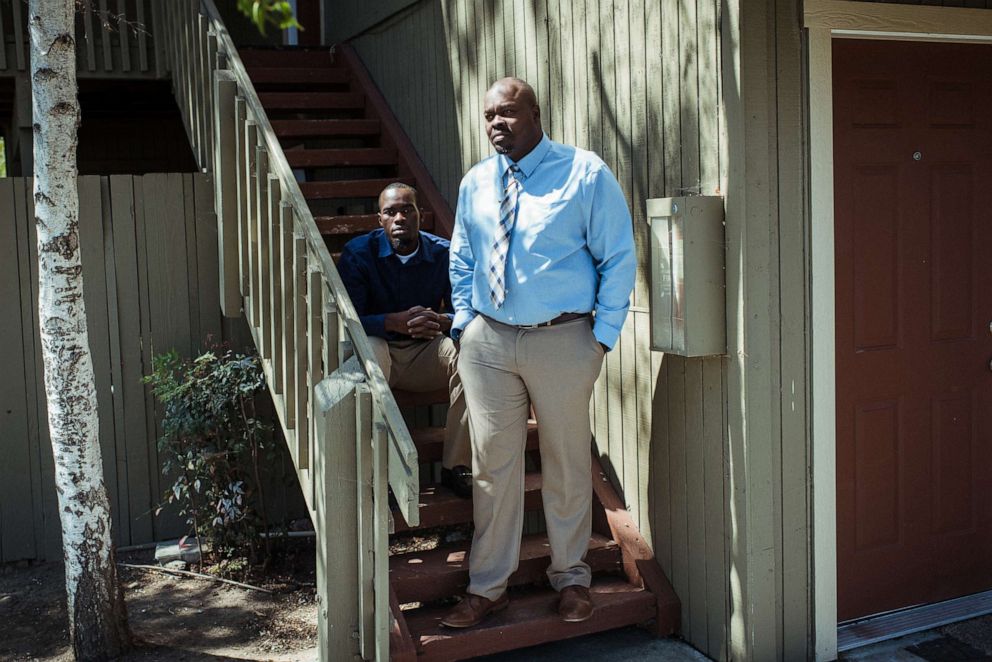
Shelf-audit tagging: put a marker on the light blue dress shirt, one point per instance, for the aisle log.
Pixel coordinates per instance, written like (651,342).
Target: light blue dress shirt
(571,248)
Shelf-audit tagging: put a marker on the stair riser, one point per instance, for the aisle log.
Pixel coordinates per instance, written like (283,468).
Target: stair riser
(325,128)
(285,58)
(528,621)
(298,76)
(454,581)
(309,102)
(461,513)
(321,158)
(369,188)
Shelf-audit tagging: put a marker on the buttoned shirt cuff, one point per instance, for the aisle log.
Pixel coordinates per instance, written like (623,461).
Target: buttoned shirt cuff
(605,334)
(462,318)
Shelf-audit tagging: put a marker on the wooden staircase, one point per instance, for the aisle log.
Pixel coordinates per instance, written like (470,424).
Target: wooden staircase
(341,139)
(345,145)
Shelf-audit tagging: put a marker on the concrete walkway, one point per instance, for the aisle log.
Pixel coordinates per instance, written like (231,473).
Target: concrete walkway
(624,645)
(958,642)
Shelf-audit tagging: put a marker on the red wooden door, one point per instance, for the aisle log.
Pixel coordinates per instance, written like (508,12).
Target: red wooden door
(913,230)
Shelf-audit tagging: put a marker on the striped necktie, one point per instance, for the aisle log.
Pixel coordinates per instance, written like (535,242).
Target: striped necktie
(501,243)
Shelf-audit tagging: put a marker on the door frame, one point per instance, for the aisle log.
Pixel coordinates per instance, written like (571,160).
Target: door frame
(826,20)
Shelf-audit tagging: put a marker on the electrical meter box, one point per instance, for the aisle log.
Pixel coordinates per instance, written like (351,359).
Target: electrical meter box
(688,275)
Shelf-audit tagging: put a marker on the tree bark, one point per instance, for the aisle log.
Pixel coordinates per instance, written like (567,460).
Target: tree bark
(97,615)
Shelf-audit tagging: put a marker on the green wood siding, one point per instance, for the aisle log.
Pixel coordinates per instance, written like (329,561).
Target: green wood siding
(640,84)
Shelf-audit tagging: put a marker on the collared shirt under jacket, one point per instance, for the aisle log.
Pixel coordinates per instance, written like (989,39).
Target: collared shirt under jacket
(379,283)
(571,246)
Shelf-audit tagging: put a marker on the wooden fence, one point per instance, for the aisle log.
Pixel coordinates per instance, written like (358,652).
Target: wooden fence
(149,253)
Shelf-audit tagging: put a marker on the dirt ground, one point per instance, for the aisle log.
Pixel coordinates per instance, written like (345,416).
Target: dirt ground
(172,618)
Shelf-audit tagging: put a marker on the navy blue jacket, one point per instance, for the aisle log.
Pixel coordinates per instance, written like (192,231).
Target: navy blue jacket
(378,283)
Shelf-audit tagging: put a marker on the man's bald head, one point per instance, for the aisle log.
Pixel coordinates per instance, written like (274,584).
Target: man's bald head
(516,87)
(513,118)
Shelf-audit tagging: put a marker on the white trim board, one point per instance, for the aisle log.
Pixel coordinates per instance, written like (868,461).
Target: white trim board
(826,20)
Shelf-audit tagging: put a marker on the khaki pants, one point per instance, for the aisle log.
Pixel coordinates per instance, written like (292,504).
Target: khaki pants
(504,370)
(421,365)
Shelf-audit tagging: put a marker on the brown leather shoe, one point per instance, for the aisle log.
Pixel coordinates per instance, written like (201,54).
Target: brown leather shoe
(472,609)
(574,604)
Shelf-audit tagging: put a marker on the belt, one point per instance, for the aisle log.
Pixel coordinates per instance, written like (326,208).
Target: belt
(561,319)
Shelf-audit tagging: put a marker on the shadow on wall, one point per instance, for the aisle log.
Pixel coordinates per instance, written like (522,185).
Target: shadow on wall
(641,84)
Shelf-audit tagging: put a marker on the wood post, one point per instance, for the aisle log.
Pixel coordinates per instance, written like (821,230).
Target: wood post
(335,476)
(226,194)
(273,322)
(262,248)
(289,294)
(300,327)
(241,160)
(366,521)
(380,503)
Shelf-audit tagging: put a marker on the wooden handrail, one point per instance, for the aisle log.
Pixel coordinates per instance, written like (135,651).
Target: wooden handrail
(330,394)
(381,394)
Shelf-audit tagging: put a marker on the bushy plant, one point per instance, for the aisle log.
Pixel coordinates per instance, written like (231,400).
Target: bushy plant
(212,444)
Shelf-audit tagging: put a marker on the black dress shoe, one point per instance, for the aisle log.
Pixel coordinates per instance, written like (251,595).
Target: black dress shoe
(459,480)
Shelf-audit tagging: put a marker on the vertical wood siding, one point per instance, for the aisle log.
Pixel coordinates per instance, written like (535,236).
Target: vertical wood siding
(639,83)
(149,253)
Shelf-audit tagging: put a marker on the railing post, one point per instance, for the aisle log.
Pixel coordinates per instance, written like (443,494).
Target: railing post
(157,37)
(123,36)
(335,476)
(251,196)
(273,331)
(380,501)
(241,156)
(300,347)
(287,298)
(226,195)
(264,307)
(366,521)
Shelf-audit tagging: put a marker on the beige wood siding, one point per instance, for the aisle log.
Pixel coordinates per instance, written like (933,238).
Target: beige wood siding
(711,455)
(149,253)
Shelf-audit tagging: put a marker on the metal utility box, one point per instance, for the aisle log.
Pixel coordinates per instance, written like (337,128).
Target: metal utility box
(688,275)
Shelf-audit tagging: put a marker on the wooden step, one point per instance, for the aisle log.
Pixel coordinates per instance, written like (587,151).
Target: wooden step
(297,75)
(416,399)
(430,441)
(317,158)
(288,57)
(440,507)
(443,572)
(343,225)
(349,188)
(312,100)
(530,619)
(324,128)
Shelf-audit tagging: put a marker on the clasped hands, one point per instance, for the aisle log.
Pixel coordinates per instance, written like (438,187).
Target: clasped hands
(418,322)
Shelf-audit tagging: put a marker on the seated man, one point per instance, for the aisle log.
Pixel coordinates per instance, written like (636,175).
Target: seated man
(397,277)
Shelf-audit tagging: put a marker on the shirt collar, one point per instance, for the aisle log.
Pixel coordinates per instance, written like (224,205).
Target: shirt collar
(386,249)
(530,161)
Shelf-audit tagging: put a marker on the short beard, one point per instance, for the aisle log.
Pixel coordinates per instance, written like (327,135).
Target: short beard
(502,150)
(402,245)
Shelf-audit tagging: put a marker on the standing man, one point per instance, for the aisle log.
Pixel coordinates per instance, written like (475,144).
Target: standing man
(542,267)
(397,277)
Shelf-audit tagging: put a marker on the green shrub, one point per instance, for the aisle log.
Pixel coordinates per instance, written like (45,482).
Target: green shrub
(212,445)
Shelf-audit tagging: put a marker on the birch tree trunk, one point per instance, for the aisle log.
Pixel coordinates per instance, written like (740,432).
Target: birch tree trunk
(97,615)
